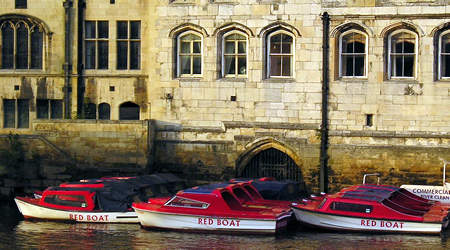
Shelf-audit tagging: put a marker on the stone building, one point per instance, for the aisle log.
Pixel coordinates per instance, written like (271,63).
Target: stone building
(223,88)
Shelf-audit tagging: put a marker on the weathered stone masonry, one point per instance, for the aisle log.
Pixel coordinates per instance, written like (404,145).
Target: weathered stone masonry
(209,126)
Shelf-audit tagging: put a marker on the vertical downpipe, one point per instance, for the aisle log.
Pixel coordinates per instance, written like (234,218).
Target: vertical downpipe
(80,65)
(325,90)
(68,4)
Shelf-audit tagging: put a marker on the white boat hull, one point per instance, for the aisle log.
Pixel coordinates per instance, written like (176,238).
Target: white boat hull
(30,210)
(435,193)
(336,222)
(153,219)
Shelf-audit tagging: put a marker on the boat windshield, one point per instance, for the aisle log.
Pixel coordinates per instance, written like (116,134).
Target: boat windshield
(183,202)
(252,192)
(66,200)
(241,194)
(231,201)
(402,209)
(322,203)
(351,207)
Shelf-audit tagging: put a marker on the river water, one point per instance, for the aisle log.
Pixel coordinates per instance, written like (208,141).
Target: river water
(15,233)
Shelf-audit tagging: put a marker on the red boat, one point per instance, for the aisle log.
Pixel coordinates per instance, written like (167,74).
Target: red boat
(373,208)
(104,200)
(219,207)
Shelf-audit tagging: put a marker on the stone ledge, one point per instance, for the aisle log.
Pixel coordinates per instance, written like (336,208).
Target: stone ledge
(239,124)
(390,134)
(389,147)
(195,142)
(270,125)
(173,128)
(293,140)
(89,121)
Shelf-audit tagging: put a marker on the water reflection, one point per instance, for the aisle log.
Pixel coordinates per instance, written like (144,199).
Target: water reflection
(49,235)
(54,235)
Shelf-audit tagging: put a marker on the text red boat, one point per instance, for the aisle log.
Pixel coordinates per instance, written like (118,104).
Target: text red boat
(220,207)
(373,208)
(104,200)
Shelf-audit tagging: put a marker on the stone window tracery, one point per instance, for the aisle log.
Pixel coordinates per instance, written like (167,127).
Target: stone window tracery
(22,42)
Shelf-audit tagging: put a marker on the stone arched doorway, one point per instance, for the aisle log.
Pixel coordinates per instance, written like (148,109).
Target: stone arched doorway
(268,157)
(272,163)
(129,111)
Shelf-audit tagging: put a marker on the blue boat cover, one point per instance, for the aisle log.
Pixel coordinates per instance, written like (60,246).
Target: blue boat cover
(206,189)
(372,193)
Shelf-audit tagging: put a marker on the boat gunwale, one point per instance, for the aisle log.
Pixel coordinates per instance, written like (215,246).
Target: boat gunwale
(348,230)
(280,217)
(350,216)
(24,199)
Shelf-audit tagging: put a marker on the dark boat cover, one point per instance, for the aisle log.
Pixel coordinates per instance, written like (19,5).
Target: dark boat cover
(117,195)
(270,189)
(280,190)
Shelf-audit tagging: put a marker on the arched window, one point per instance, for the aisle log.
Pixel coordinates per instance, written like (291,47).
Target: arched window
(280,54)
(444,54)
(189,54)
(352,54)
(22,43)
(7,61)
(234,56)
(104,111)
(90,111)
(129,111)
(402,54)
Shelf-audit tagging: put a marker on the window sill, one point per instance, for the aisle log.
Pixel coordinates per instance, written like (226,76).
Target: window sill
(20,70)
(402,80)
(182,2)
(353,77)
(233,79)
(279,80)
(189,79)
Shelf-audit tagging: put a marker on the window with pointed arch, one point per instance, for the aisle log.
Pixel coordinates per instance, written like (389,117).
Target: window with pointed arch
(234,56)
(280,54)
(353,54)
(21,44)
(189,54)
(402,54)
(444,55)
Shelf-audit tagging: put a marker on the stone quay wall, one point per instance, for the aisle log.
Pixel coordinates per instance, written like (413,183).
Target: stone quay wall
(61,150)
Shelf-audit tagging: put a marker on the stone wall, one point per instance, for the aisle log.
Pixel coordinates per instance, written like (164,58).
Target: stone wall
(407,115)
(96,143)
(207,126)
(62,150)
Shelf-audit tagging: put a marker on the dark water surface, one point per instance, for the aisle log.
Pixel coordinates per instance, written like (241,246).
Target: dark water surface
(18,234)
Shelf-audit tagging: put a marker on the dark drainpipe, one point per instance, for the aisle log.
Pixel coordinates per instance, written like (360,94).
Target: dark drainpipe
(325,90)
(80,65)
(68,4)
